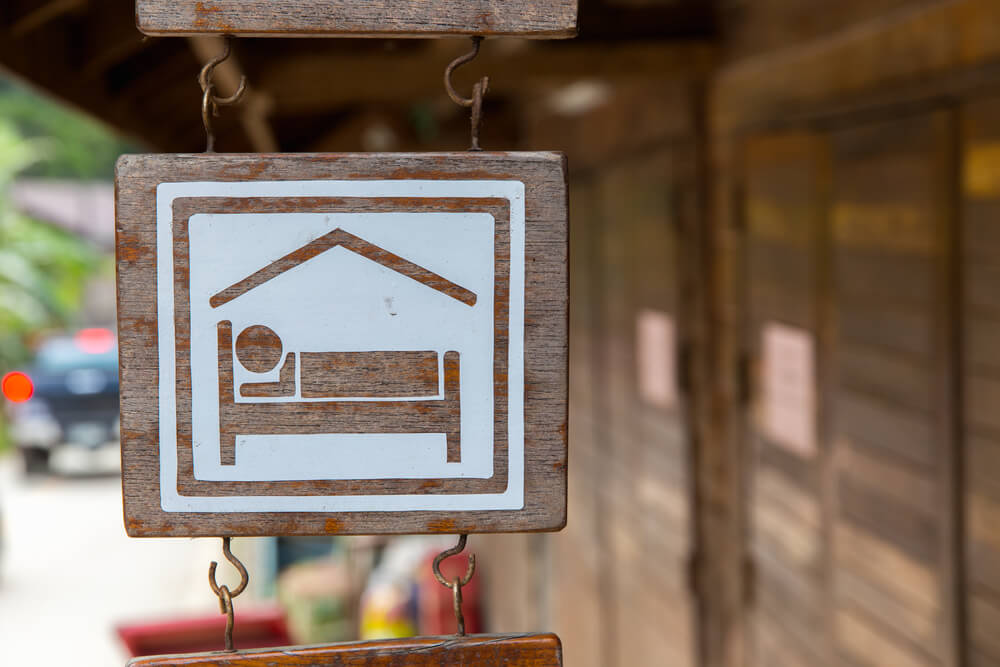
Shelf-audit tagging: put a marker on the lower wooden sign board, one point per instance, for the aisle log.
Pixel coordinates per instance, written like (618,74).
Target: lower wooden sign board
(349,344)
(470,651)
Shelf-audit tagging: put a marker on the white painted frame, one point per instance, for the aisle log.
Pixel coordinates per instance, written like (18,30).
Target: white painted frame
(512,498)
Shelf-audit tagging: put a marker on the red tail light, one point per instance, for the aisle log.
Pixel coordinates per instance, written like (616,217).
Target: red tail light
(95,341)
(17,387)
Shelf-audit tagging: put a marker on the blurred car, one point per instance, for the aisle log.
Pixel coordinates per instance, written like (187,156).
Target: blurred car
(63,409)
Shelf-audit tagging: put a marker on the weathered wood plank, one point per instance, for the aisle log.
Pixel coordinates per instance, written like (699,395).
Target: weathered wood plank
(470,651)
(984,624)
(982,344)
(887,567)
(862,67)
(981,377)
(795,545)
(870,645)
(982,566)
(903,484)
(894,216)
(772,486)
(884,373)
(856,592)
(305,18)
(884,326)
(878,424)
(786,178)
(892,521)
(981,399)
(800,620)
(982,461)
(869,275)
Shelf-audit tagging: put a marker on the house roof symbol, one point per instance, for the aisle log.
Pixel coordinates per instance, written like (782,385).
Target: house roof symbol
(356,244)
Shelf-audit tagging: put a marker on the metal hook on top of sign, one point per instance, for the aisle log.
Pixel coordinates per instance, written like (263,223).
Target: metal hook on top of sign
(210,102)
(478,91)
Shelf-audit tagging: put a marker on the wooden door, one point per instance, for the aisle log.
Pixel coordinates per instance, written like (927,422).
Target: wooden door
(980,254)
(786,180)
(892,423)
(850,261)
(643,480)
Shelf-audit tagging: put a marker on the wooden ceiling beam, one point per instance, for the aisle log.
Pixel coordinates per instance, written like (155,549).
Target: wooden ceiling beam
(109,37)
(314,79)
(42,13)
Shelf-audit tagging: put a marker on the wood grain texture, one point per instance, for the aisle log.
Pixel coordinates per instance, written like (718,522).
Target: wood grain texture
(648,497)
(545,369)
(867,66)
(516,650)
(370,18)
(787,181)
(894,425)
(981,376)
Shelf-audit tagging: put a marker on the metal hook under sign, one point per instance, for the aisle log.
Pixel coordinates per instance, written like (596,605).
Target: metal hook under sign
(456,585)
(225,595)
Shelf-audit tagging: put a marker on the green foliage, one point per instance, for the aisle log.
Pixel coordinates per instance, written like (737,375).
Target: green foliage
(75,146)
(43,270)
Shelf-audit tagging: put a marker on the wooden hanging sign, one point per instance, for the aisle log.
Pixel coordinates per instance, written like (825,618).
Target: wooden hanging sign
(469,651)
(354,18)
(352,344)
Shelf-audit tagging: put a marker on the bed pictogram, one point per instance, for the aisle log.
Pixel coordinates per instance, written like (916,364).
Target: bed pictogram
(395,391)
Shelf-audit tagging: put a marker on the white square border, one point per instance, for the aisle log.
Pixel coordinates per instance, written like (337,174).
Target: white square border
(171,501)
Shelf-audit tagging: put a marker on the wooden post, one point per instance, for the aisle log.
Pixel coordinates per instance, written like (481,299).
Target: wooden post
(718,556)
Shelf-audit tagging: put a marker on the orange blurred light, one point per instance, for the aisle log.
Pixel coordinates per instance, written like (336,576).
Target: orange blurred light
(94,341)
(17,387)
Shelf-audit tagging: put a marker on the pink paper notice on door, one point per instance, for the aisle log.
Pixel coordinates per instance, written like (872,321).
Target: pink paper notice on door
(788,388)
(655,358)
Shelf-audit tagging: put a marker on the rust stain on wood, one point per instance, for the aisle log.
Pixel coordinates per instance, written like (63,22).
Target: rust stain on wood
(441,526)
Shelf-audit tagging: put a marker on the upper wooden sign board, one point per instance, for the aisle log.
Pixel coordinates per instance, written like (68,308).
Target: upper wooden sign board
(358,18)
(361,343)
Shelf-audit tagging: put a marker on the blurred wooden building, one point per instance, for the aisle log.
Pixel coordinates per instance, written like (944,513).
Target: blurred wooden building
(785,352)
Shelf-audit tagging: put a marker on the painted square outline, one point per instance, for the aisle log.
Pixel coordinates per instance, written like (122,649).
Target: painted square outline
(511,499)
(182,211)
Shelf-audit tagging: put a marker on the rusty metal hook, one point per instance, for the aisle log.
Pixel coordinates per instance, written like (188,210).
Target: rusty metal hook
(478,91)
(244,576)
(210,102)
(224,594)
(455,550)
(456,585)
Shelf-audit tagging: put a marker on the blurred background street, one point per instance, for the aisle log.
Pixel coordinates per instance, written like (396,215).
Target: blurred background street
(784,357)
(69,574)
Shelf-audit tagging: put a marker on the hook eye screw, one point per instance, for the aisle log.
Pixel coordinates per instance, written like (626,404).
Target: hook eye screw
(478,91)
(456,585)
